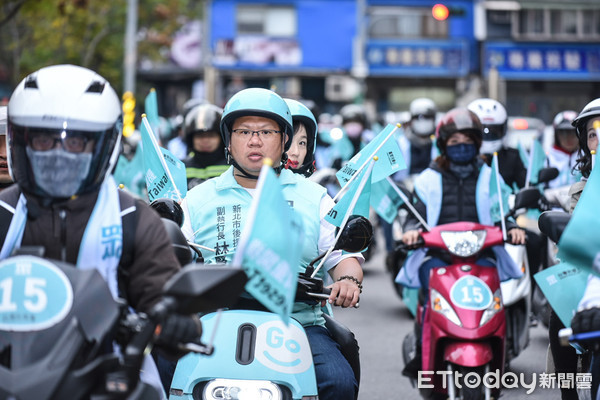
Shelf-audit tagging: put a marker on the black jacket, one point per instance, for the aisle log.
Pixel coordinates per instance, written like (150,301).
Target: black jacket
(511,167)
(458,200)
(153,261)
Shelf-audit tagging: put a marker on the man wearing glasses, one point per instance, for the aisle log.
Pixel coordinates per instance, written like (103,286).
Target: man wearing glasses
(257,124)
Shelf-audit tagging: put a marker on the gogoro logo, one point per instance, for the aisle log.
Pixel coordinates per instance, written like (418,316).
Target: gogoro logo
(282,348)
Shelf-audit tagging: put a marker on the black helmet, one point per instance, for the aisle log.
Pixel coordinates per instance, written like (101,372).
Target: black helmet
(563,123)
(354,113)
(459,119)
(199,119)
(169,209)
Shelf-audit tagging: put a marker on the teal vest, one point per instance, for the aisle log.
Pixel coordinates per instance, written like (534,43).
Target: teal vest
(218,209)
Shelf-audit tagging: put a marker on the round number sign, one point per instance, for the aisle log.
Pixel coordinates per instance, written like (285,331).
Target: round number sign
(34,294)
(471,293)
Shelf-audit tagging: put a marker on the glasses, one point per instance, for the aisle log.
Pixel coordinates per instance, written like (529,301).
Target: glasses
(45,142)
(262,134)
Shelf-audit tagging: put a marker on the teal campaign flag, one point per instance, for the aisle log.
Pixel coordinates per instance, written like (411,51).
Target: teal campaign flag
(355,200)
(580,243)
(130,173)
(536,161)
(384,146)
(563,285)
(151,110)
(164,173)
(499,193)
(270,246)
(385,200)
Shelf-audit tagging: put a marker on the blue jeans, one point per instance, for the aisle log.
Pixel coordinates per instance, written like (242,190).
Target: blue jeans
(335,378)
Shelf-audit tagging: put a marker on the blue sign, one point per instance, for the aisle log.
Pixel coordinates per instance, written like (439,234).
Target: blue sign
(471,293)
(425,58)
(539,61)
(34,294)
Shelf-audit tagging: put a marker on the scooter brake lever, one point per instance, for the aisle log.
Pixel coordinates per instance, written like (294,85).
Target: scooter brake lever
(196,347)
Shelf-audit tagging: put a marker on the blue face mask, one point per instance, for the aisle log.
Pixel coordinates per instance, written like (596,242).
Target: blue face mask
(462,153)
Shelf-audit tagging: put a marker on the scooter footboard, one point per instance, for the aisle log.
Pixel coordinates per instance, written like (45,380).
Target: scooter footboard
(468,354)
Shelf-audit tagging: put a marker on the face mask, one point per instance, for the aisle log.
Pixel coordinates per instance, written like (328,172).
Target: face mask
(423,127)
(353,129)
(461,153)
(490,146)
(58,172)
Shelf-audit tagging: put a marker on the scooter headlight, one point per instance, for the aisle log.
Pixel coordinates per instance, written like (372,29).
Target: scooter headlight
(464,243)
(237,389)
(441,305)
(494,308)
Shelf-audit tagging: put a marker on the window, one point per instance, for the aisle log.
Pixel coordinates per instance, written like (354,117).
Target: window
(556,24)
(268,21)
(401,23)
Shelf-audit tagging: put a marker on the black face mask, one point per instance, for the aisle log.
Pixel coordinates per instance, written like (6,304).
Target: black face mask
(462,153)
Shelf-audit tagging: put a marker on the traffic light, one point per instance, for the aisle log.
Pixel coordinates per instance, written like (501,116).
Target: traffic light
(441,12)
(128,114)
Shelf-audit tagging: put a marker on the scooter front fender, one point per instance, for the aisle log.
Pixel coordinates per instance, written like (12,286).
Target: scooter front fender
(468,354)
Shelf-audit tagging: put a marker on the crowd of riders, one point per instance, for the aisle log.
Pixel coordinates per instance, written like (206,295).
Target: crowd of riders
(61,137)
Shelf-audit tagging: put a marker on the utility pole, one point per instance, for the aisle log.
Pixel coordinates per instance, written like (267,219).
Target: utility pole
(360,69)
(130,56)
(210,73)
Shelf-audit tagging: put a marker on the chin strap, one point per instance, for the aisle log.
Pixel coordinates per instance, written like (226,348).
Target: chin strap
(245,174)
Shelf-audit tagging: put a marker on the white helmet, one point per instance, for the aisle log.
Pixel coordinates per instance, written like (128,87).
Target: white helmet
(422,116)
(493,117)
(68,104)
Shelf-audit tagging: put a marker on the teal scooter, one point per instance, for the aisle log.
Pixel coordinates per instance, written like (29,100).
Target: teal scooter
(255,355)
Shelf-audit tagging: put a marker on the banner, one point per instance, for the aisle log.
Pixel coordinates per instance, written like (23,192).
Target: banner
(355,200)
(270,247)
(384,146)
(130,173)
(563,286)
(385,200)
(164,173)
(580,243)
(151,110)
(499,193)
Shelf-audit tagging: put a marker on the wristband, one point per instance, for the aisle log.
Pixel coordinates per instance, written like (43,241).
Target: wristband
(353,279)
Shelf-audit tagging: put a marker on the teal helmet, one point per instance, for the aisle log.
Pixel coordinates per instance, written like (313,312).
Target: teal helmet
(302,114)
(256,102)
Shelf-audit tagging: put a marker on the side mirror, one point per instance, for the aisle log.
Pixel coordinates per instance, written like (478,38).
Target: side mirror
(547,174)
(527,198)
(201,288)
(553,223)
(180,246)
(356,236)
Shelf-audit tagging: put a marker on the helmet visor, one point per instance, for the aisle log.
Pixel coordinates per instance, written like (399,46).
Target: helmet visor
(493,132)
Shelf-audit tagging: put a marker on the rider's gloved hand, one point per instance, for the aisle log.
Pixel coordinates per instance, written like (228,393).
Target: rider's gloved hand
(544,204)
(587,320)
(180,329)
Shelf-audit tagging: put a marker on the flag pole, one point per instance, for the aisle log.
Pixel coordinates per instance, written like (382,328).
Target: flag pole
(262,177)
(160,154)
(353,177)
(499,188)
(353,202)
(406,201)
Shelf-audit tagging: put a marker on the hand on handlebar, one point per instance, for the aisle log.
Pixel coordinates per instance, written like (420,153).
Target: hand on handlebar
(517,236)
(344,293)
(411,238)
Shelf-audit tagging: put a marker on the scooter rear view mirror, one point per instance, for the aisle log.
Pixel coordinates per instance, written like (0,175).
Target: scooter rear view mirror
(527,198)
(202,288)
(356,236)
(547,174)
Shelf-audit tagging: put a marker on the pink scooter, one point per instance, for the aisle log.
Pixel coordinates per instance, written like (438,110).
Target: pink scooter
(463,329)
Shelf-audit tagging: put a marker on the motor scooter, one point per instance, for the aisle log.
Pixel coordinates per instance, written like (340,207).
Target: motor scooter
(58,326)
(257,356)
(464,328)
